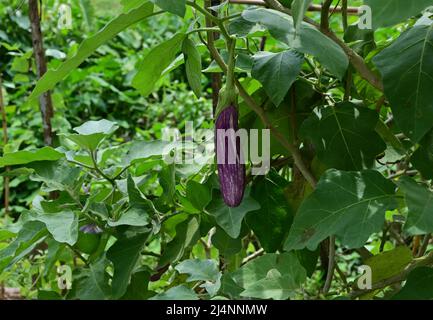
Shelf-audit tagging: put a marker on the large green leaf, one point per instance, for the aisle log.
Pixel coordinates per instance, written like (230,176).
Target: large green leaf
(277,72)
(199,270)
(419,200)
(143,150)
(226,245)
(63,225)
(344,136)
(350,205)
(155,62)
(389,12)
(407,67)
(272,221)
(56,175)
(89,46)
(228,218)
(419,285)
(92,283)
(92,133)
(25,157)
(124,254)
(272,276)
(309,40)
(192,65)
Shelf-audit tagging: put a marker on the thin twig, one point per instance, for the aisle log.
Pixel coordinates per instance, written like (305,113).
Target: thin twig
(252,256)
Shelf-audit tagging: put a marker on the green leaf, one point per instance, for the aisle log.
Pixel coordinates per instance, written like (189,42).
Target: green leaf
(309,41)
(168,182)
(177,7)
(56,175)
(406,67)
(199,270)
(192,65)
(277,72)
(138,288)
(344,136)
(226,245)
(181,292)
(25,157)
(390,12)
(299,8)
(125,254)
(30,235)
(422,160)
(272,276)
(92,282)
(419,285)
(273,220)
(137,199)
(198,194)
(155,62)
(187,235)
(89,46)
(390,263)
(230,219)
(92,133)
(142,150)
(134,216)
(350,205)
(63,225)
(419,200)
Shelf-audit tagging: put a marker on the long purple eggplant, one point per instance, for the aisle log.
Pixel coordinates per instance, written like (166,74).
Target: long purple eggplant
(231,170)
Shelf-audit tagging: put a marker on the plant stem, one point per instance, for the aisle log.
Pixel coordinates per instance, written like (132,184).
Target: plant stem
(331,265)
(93,155)
(45,101)
(324,21)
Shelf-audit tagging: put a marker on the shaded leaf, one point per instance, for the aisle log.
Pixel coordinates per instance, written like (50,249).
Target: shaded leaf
(406,67)
(350,205)
(277,72)
(344,136)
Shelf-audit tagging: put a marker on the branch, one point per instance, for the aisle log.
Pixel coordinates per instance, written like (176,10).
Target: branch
(416,263)
(311,8)
(324,20)
(45,101)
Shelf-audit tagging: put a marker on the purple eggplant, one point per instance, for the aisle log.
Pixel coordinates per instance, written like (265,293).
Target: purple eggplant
(231,167)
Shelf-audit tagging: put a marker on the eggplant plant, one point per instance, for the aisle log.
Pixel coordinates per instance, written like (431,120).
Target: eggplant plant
(344,211)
